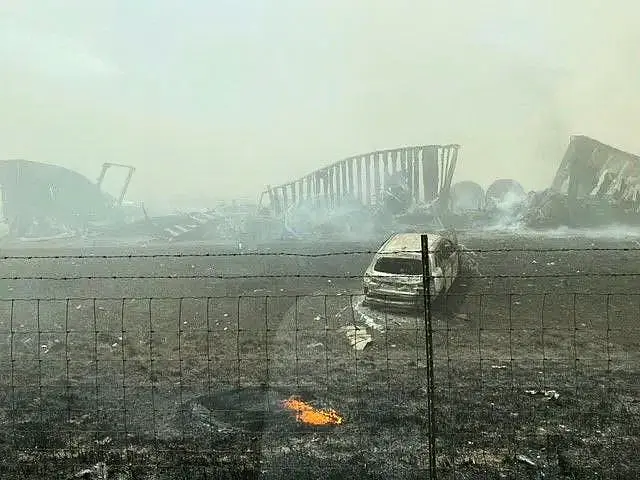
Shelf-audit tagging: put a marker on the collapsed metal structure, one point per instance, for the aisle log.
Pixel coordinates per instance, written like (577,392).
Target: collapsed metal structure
(426,170)
(38,193)
(41,200)
(596,184)
(593,169)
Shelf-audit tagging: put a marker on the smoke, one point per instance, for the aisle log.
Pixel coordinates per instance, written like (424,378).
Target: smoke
(53,56)
(222,98)
(348,221)
(610,232)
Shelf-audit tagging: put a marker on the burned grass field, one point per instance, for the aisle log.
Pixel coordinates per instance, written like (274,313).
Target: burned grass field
(183,375)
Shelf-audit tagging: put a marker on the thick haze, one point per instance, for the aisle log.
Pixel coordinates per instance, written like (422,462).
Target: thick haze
(218,98)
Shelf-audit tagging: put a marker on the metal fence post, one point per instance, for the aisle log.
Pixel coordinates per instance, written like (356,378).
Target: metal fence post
(426,285)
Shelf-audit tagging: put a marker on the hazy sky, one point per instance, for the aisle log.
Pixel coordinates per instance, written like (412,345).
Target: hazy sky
(210,97)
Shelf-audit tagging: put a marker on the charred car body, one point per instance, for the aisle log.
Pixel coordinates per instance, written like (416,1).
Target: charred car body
(395,276)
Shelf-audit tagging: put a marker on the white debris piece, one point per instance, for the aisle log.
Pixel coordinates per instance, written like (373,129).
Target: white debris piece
(357,336)
(98,472)
(370,322)
(548,394)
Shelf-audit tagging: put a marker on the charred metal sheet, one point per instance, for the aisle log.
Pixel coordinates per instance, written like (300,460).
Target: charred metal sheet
(592,169)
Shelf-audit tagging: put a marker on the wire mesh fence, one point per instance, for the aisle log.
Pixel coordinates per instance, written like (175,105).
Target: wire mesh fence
(535,356)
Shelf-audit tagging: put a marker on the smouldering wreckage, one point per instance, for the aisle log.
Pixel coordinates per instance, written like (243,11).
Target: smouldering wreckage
(41,201)
(367,194)
(410,189)
(596,184)
(362,197)
(374,194)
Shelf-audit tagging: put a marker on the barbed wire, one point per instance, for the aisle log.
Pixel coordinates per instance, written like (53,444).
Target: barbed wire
(131,256)
(281,295)
(310,275)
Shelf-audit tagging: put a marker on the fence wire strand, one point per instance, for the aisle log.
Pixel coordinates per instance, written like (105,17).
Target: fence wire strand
(179,255)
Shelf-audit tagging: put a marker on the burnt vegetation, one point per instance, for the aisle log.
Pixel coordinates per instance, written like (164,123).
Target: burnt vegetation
(535,355)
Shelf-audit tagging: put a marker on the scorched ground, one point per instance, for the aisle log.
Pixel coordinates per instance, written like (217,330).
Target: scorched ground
(535,356)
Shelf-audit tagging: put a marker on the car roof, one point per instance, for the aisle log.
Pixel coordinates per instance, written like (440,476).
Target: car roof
(409,243)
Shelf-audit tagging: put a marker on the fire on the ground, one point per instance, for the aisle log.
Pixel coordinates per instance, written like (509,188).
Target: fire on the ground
(309,415)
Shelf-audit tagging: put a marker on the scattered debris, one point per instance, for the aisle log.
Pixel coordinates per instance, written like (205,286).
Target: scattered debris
(548,394)
(357,336)
(97,472)
(527,460)
(367,319)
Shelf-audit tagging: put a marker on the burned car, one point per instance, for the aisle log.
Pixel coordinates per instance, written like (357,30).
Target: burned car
(394,277)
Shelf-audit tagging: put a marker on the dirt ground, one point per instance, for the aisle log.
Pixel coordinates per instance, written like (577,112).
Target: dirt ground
(181,376)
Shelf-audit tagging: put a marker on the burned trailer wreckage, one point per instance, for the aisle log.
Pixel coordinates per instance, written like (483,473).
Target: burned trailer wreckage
(42,201)
(362,197)
(595,185)
(367,194)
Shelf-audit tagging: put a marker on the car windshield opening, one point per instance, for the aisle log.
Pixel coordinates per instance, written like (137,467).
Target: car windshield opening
(399,266)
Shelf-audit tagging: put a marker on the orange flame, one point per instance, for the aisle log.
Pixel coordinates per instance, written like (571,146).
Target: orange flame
(310,415)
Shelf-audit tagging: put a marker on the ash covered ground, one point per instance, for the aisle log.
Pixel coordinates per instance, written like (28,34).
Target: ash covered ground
(163,387)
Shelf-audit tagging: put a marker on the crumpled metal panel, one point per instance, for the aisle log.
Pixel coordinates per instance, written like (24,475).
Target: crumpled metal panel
(592,169)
